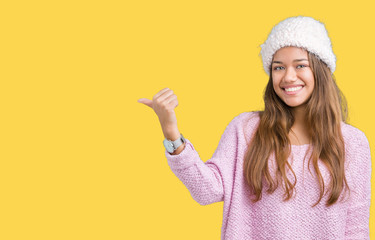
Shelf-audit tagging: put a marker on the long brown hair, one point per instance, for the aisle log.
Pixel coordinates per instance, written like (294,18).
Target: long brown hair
(325,110)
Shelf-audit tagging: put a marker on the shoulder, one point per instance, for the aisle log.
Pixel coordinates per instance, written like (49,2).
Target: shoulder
(245,119)
(357,146)
(353,136)
(245,123)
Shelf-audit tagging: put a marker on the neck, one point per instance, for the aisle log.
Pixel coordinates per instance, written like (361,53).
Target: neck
(299,133)
(299,116)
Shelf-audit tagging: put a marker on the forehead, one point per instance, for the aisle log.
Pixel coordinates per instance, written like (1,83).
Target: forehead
(290,52)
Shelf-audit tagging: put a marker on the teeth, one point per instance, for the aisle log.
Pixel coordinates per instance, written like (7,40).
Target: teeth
(293,89)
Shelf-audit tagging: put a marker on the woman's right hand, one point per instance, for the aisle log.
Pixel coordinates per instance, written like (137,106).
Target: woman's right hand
(163,103)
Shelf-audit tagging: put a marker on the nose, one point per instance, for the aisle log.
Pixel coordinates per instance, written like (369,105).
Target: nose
(290,75)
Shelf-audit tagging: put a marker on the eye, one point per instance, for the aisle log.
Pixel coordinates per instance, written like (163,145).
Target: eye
(301,65)
(276,68)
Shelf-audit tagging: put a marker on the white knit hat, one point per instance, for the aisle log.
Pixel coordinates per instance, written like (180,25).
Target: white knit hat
(300,31)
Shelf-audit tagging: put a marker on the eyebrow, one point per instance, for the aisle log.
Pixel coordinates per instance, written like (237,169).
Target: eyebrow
(295,60)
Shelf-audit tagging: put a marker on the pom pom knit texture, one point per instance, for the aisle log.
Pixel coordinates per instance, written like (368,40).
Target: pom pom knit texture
(300,31)
(221,179)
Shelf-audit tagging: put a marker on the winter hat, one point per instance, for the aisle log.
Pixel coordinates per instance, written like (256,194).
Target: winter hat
(300,31)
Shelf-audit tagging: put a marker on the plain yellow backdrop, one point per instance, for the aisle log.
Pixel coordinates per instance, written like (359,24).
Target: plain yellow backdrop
(82,159)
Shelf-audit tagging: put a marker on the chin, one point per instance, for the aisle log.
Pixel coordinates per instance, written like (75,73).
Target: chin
(294,105)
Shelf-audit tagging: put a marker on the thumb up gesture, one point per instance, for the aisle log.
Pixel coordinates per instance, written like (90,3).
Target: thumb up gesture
(163,103)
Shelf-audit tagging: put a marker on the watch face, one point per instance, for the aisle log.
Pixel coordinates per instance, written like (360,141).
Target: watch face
(168,145)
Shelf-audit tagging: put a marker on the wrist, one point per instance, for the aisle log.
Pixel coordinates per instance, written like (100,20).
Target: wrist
(171,134)
(174,146)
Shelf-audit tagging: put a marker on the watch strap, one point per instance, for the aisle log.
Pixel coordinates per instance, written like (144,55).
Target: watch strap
(178,142)
(175,144)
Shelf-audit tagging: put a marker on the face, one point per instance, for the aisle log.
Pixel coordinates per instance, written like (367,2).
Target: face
(293,79)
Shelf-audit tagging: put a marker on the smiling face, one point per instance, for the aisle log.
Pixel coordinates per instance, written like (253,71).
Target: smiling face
(293,79)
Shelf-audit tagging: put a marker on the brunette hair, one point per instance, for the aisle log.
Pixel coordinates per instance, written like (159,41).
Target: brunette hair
(325,110)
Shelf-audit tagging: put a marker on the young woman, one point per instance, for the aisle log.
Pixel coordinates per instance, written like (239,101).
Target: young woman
(296,170)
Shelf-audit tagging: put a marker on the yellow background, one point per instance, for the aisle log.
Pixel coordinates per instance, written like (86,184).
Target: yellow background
(80,158)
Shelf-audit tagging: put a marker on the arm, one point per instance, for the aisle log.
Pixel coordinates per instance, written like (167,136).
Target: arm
(205,180)
(357,223)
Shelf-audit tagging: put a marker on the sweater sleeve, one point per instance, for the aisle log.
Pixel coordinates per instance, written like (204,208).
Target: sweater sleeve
(204,180)
(357,223)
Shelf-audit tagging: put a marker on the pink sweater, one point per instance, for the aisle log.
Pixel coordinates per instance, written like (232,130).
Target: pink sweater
(221,179)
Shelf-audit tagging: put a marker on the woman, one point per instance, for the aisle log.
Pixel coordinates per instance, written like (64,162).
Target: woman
(293,171)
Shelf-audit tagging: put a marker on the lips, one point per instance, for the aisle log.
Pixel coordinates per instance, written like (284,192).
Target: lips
(291,90)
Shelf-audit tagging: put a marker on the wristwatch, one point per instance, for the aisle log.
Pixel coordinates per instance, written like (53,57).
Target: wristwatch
(171,146)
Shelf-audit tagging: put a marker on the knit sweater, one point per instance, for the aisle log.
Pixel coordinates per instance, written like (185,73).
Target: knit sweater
(221,179)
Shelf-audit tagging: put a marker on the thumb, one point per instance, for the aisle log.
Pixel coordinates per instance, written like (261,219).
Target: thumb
(145,101)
